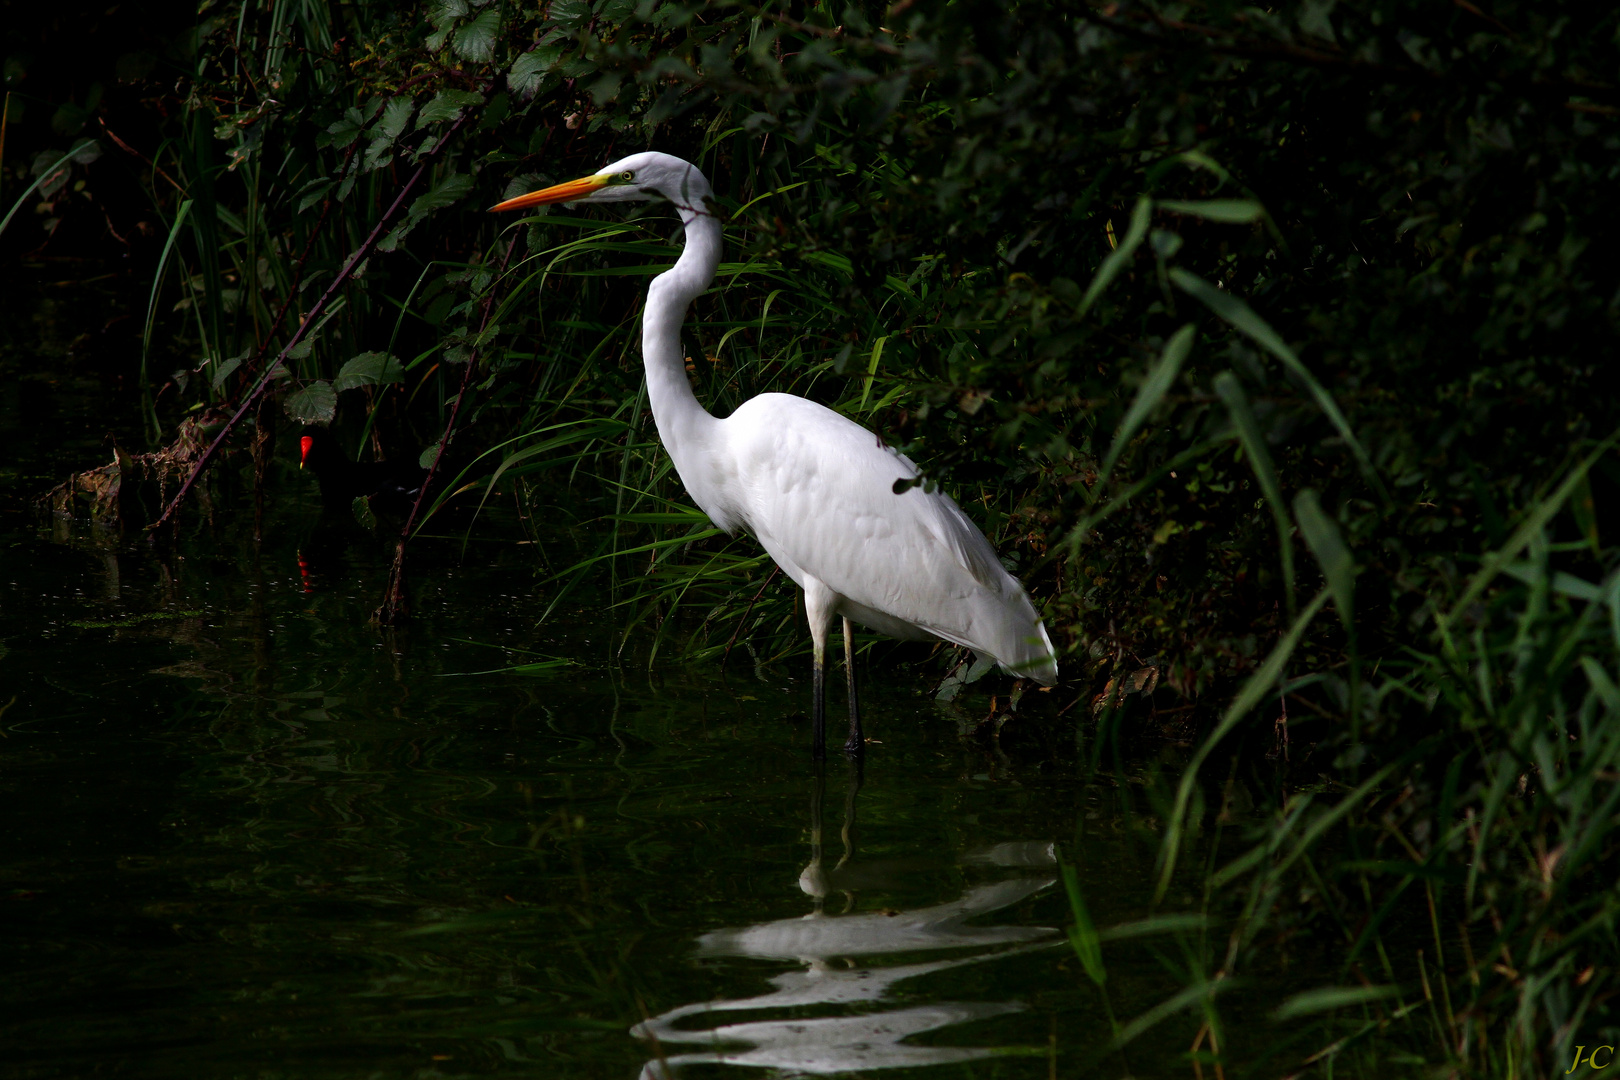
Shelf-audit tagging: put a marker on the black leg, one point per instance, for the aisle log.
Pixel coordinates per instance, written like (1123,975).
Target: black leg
(856,743)
(857,774)
(818,711)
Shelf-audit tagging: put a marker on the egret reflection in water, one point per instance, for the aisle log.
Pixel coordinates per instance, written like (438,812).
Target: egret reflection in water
(841,968)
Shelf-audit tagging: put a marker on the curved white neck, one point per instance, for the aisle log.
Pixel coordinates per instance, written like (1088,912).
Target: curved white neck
(676,411)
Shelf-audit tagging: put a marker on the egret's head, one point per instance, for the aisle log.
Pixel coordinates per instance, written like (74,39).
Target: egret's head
(636,178)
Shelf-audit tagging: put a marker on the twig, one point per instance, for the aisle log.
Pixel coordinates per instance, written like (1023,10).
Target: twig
(1474,10)
(130,149)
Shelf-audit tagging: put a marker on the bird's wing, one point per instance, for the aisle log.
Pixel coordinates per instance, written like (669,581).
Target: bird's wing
(967,545)
(818,491)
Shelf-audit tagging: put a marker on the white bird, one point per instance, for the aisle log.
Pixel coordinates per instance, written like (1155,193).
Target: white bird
(818,491)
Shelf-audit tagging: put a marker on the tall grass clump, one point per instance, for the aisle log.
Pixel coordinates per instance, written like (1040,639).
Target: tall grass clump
(1267,345)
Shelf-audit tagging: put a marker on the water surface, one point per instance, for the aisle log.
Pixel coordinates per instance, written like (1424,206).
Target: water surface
(246,833)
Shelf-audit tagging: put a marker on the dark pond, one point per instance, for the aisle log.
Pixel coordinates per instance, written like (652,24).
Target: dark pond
(244,833)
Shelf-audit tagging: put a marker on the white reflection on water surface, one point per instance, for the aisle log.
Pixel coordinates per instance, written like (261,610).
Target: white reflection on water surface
(842,970)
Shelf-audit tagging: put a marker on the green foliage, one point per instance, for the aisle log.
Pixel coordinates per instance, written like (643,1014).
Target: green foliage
(316,403)
(1083,936)
(369,369)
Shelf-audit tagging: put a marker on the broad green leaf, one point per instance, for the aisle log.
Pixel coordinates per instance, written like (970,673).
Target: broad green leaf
(429,456)
(396,117)
(476,40)
(446,192)
(312,193)
(1150,394)
(343,131)
(53,173)
(1329,998)
(528,69)
(224,368)
(1242,317)
(443,16)
(314,404)
(446,105)
(1321,535)
(1228,211)
(395,120)
(569,14)
(1231,393)
(369,369)
(1121,255)
(378,152)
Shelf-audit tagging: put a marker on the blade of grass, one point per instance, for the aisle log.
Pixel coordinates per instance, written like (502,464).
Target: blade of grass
(1148,396)
(1111,266)
(152,299)
(1230,391)
(1241,316)
(1254,690)
(1528,529)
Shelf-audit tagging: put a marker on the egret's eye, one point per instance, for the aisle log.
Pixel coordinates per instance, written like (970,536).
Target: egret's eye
(627,176)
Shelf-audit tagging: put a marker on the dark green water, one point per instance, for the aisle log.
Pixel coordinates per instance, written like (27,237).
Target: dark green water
(245,834)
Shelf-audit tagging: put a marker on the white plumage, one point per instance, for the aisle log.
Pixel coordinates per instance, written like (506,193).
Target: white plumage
(816,489)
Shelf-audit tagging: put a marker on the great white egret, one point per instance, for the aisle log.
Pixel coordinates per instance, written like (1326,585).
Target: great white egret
(821,493)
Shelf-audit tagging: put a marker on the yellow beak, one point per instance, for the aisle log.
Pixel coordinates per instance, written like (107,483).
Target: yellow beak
(557,193)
